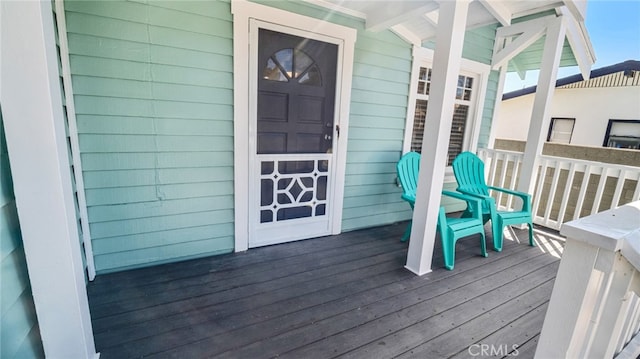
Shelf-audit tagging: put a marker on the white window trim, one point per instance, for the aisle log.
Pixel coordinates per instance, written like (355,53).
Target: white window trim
(423,57)
(243,11)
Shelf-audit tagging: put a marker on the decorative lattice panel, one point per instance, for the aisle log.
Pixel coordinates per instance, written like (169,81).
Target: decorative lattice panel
(293,188)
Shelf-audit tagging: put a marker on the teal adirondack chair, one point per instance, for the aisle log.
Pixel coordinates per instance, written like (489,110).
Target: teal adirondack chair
(451,229)
(469,172)
(407,169)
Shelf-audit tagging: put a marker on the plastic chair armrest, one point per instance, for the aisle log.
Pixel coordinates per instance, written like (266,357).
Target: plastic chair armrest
(474,202)
(526,198)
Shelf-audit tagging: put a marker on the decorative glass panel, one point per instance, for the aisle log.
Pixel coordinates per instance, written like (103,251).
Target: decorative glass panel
(311,77)
(289,64)
(272,72)
(424,81)
(302,62)
(284,58)
(465,85)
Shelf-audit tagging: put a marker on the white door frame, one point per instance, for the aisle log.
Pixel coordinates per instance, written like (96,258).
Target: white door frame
(345,38)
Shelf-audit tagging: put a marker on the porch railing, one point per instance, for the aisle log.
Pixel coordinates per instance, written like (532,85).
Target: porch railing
(566,188)
(594,311)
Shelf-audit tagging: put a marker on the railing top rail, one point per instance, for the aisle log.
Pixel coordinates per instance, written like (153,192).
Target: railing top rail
(627,168)
(617,229)
(591,163)
(493,150)
(631,249)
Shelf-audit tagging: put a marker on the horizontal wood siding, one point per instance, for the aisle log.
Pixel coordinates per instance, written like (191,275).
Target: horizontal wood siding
(153,94)
(72,168)
(488,109)
(382,73)
(478,46)
(19,333)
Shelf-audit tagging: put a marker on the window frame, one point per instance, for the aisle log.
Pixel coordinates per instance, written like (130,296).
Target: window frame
(423,57)
(552,122)
(607,134)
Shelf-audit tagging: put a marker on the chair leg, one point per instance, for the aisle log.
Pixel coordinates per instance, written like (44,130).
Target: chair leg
(497,228)
(532,243)
(407,232)
(448,249)
(483,245)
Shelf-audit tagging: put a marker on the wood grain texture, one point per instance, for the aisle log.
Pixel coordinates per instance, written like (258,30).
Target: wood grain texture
(338,296)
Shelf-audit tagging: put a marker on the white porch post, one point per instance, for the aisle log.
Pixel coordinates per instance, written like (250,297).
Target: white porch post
(446,67)
(540,119)
(34,123)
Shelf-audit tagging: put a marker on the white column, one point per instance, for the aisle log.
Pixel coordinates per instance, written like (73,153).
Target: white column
(446,67)
(36,140)
(540,116)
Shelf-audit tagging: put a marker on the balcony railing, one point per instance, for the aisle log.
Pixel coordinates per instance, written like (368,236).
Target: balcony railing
(594,311)
(566,189)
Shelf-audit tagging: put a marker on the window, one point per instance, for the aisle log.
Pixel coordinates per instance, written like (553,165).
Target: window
(560,130)
(289,64)
(623,134)
(463,105)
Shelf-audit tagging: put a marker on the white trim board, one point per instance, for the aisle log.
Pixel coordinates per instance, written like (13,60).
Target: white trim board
(73,135)
(37,144)
(293,23)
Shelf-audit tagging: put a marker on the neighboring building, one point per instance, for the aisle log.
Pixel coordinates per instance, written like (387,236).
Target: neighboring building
(601,111)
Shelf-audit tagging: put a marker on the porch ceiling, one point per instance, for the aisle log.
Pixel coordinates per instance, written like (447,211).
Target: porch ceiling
(417,20)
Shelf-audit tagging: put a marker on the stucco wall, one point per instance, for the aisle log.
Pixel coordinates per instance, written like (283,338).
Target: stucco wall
(591,107)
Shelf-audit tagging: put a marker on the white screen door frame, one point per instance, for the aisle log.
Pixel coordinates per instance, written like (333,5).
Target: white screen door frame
(248,19)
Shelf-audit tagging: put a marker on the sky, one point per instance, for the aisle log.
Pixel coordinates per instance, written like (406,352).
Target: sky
(614,30)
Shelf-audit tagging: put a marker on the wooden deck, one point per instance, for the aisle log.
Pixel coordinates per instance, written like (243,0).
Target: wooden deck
(342,296)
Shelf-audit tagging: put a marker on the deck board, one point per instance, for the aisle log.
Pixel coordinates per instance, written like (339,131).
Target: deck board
(339,296)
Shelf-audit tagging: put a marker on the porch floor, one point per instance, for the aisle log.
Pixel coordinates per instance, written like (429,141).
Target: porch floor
(346,296)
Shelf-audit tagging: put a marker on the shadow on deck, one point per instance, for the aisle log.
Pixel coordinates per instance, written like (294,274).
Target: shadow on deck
(346,295)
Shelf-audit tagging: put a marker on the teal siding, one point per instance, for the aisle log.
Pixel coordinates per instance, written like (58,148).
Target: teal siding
(487,112)
(19,333)
(154,102)
(153,90)
(478,44)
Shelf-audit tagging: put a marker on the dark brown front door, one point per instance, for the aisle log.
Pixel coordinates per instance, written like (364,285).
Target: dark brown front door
(294,132)
(296,94)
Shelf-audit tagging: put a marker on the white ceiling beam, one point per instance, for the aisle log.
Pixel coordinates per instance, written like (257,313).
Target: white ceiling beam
(498,10)
(578,8)
(527,38)
(407,35)
(391,13)
(579,42)
(522,27)
(432,18)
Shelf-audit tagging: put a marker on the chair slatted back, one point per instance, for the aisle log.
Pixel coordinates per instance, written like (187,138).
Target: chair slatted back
(407,169)
(469,172)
